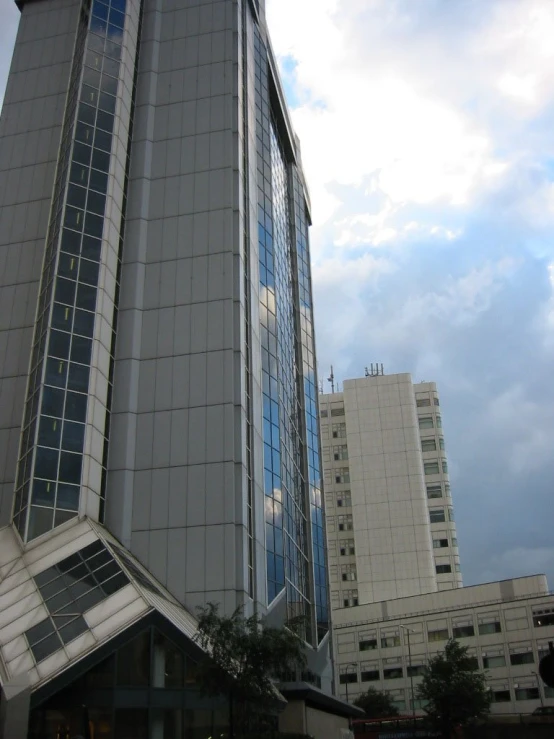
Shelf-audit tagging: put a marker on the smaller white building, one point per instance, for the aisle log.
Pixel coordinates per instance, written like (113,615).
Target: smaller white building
(506,625)
(388,505)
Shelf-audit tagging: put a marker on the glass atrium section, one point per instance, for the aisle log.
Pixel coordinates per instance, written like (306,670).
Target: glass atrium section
(50,467)
(269,336)
(307,343)
(69,589)
(288,373)
(145,689)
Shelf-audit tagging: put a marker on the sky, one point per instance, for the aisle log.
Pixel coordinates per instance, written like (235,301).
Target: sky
(427,130)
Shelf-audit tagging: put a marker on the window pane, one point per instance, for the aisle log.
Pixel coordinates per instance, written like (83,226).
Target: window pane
(81,349)
(58,346)
(87,114)
(79,174)
(105,121)
(70,467)
(46,647)
(77,196)
(76,407)
(81,153)
(68,497)
(40,521)
(107,102)
(65,291)
(49,431)
(78,377)
(437,515)
(98,181)
(94,225)
(88,272)
(543,619)
(46,463)
(96,203)
(101,160)
(114,584)
(91,248)
(109,84)
(71,241)
(89,95)
(62,316)
(526,658)
(56,372)
(52,402)
(460,632)
(86,297)
(95,43)
(44,492)
(83,323)
(40,631)
(111,66)
(133,662)
(91,77)
(68,266)
(73,630)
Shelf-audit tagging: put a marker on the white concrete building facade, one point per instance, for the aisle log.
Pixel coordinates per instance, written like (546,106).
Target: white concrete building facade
(390,524)
(506,625)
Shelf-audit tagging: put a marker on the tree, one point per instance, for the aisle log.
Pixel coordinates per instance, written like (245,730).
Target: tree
(454,688)
(376,704)
(242,659)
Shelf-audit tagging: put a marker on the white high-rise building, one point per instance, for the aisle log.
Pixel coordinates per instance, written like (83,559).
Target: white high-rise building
(390,525)
(392,547)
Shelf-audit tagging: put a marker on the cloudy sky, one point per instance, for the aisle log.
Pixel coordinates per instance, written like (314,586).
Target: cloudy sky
(427,129)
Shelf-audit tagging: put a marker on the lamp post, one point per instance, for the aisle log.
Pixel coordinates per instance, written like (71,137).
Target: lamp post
(408,632)
(537,678)
(349,664)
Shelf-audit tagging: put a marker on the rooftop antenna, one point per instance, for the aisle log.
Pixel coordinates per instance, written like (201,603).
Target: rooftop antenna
(320,383)
(374,370)
(331,379)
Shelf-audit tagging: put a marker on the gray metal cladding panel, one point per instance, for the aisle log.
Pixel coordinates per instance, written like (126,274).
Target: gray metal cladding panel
(30,129)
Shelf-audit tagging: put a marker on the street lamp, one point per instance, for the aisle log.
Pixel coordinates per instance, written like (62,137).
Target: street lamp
(349,664)
(537,678)
(408,632)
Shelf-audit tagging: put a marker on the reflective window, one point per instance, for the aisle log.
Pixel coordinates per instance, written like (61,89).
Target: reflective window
(133,665)
(49,431)
(69,589)
(76,407)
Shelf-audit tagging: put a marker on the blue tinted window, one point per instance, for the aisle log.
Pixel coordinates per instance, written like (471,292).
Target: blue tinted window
(52,401)
(68,496)
(49,431)
(46,463)
(76,406)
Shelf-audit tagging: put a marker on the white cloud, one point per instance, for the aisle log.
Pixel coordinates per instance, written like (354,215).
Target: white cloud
(516,46)
(526,426)
(359,116)
(458,302)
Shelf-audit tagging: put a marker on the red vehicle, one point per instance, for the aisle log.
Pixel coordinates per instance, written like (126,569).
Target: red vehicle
(396,727)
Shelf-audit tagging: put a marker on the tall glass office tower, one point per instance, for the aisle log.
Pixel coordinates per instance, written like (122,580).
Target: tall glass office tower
(158,391)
